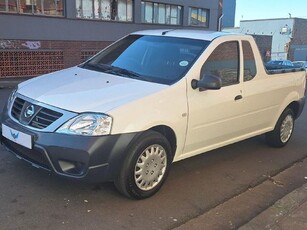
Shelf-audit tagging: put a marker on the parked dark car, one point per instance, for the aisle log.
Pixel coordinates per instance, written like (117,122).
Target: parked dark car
(279,64)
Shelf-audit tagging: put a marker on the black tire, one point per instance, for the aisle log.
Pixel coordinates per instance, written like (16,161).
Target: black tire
(146,166)
(283,130)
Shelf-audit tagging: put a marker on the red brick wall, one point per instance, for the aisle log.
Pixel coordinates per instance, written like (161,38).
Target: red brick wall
(21,58)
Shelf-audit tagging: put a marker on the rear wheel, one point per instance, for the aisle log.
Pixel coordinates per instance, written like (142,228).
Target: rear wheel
(146,166)
(283,130)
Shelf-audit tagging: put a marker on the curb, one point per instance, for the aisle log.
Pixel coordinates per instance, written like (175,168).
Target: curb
(8,84)
(278,212)
(249,210)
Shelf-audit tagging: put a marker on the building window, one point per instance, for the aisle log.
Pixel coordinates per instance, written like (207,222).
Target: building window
(115,10)
(8,6)
(160,13)
(39,7)
(198,17)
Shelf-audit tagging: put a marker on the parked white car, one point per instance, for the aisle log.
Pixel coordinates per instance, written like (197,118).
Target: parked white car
(150,99)
(300,63)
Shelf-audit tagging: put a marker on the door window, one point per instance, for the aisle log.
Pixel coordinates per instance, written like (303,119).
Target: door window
(224,63)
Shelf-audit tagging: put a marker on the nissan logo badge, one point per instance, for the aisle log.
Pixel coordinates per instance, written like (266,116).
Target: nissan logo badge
(29,111)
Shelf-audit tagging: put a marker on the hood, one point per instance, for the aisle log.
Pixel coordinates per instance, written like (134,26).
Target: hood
(81,90)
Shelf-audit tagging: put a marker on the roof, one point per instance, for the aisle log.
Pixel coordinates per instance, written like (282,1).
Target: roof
(273,19)
(180,33)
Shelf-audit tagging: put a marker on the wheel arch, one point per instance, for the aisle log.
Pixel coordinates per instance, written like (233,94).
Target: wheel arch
(297,107)
(292,101)
(169,134)
(294,106)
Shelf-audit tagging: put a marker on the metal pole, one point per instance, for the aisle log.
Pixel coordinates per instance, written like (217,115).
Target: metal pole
(220,22)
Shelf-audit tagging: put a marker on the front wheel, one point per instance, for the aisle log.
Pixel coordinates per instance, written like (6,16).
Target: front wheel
(145,167)
(283,130)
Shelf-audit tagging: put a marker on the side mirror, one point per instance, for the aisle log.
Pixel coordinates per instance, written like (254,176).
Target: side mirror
(207,82)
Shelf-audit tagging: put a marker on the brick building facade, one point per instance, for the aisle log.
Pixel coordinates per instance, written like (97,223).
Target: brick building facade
(23,58)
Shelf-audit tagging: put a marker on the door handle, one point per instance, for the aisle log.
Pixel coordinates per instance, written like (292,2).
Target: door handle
(238,97)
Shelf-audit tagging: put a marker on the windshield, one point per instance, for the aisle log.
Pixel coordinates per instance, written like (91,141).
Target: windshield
(157,59)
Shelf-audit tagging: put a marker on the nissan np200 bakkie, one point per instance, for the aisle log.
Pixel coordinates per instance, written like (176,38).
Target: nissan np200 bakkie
(150,99)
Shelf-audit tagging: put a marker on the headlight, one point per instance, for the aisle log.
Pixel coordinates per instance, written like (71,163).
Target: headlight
(11,98)
(88,124)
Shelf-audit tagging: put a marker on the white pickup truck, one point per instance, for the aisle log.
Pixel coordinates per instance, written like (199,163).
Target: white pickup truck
(150,99)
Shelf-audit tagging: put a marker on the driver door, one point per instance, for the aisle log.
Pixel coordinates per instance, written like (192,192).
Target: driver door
(215,115)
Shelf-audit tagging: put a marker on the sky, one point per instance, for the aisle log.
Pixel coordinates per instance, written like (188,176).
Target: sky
(265,9)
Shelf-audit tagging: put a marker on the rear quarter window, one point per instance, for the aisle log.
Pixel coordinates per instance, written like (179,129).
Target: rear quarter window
(250,69)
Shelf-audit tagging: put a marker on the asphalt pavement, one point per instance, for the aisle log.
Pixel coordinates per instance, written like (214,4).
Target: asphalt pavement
(255,204)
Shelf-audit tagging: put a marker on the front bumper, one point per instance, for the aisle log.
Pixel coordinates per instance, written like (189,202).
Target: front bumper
(94,159)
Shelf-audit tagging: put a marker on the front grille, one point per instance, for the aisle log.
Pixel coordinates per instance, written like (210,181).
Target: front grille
(44,118)
(41,118)
(17,107)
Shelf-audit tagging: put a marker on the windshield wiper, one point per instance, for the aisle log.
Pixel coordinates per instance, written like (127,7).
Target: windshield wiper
(114,70)
(126,73)
(97,67)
